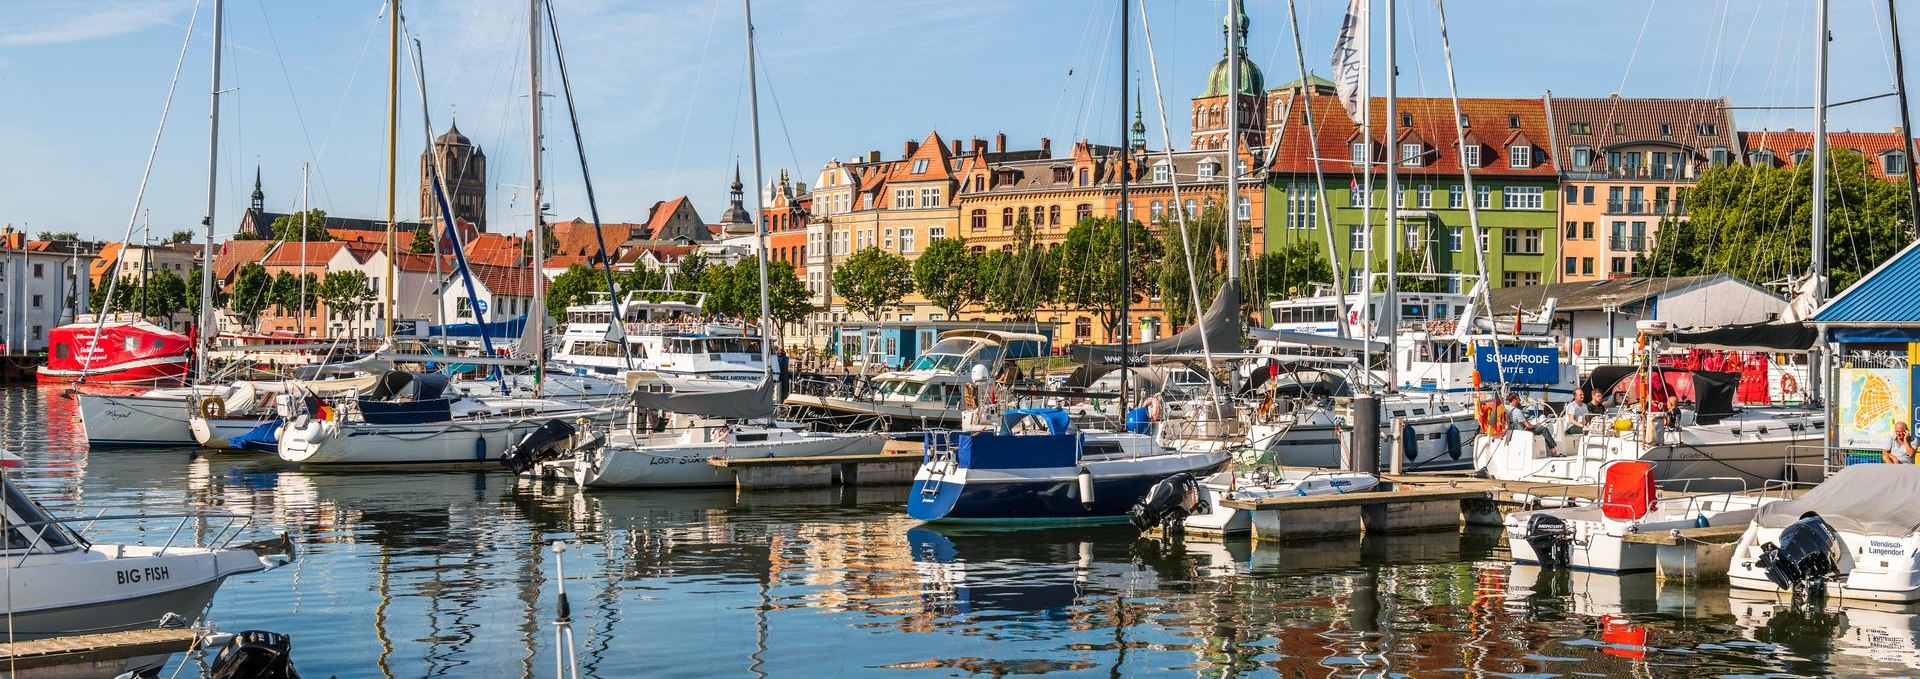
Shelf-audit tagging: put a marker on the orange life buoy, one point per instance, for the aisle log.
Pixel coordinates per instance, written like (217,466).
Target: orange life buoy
(1789,384)
(1488,415)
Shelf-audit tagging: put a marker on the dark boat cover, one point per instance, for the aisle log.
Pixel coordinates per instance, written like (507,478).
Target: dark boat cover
(1752,337)
(1867,499)
(722,401)
(1218,330)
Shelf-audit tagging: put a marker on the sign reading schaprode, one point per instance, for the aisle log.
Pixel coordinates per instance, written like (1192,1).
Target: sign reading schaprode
(1519,365)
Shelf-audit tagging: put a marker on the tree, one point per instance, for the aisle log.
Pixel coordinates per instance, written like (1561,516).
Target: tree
(574,286)
(1289,270)
(193,295)
(344,291)
(180,237)
(687,275)
(637,278)
(1757,223)
(252,292)
(56,236)
(1090,268)
(423,241)
(788,298)
(288,227)
(873,280)
(1024,278)
(162,295)
(1206,237)
(287,293)
(124,293)
(948,274)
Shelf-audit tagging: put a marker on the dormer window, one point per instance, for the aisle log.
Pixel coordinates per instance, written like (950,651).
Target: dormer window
(1406,120)
(1581,127)
(1717,156)
(1207,169)
(1582,157)
(1463,120)
(1520,156)
(1666,129)
(1060,175)
(1513,122)
(1894,163)
(1162,173)
(1360,153)
(1760,157)
(1410,154)
(1619,129)
(1801,156)
(920,166)
(1470,155)
(1707,129)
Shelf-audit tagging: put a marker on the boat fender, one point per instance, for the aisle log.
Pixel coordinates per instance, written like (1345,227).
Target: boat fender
(255,654)
(1701,521)
(1085,480)
(1409,442)
(1452,441)
(213,408)
(480,448)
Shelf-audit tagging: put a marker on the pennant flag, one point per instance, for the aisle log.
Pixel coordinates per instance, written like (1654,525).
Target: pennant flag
(1350,61)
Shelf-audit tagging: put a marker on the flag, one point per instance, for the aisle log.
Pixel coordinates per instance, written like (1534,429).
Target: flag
(1350,61)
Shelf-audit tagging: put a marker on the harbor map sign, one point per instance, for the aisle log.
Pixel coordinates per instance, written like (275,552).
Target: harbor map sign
(1870,400)
(1520,365)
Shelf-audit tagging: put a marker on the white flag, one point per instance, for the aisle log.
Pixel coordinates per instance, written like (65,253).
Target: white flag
(1350,60)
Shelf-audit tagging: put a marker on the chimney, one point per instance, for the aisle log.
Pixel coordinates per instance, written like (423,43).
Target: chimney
(1046,147)
(911,147)
(979,145)
(874,156)
(956,147)
(1000,142)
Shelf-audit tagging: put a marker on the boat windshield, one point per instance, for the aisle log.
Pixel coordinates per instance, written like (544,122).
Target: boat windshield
(30,527)
(946,355)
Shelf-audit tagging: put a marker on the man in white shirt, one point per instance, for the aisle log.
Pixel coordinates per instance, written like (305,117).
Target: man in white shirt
(1577,413)
(1899,446)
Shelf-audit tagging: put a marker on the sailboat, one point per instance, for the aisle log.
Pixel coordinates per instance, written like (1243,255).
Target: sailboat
(711,421)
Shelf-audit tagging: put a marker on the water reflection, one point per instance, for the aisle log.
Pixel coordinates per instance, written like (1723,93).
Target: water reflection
(447,574)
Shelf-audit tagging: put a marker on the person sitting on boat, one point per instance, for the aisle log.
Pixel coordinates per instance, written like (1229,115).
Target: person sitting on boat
(1670,413)
(1899,446)
(1577,413)
(1518,421)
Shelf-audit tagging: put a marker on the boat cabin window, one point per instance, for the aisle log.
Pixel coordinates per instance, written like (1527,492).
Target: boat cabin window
(60,351)
(945,355)
(30,527)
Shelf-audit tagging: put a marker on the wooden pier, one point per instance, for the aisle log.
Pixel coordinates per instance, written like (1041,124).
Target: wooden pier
(91,655)
(763,473)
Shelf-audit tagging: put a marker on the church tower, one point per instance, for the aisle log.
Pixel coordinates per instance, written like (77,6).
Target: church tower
(736,221)
(463,168)
(1210,108)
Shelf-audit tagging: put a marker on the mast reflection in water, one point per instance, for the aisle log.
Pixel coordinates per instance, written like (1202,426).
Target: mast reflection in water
(446,574)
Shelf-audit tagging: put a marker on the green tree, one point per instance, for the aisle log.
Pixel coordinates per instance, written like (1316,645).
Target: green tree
(948,274)
(124,294)
(56,236)
(1757,223)
(343,292)
(873,280)
(193,295)
(574,286)
(288,294)
(1024,279)
(180,237)
(162,294)
(788,298)
(252,292)
(637,278)
(687,275)
(1289,270)
(288,227)
(1206,236)
(1090,268)
(423,241)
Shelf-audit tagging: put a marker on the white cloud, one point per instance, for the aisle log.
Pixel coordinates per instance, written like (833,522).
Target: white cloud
(58,23)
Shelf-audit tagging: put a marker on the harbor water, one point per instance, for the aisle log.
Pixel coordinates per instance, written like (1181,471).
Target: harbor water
(451,574)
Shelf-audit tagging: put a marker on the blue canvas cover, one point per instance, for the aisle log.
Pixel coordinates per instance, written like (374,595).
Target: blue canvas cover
(1058,424)
(1009,451)
(264,438)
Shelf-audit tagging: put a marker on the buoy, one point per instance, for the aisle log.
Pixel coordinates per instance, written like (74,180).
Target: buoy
(1086,487)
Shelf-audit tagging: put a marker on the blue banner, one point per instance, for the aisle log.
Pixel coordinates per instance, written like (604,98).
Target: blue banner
(1523,365)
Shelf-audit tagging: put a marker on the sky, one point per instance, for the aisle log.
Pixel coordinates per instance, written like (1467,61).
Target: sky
(661,87)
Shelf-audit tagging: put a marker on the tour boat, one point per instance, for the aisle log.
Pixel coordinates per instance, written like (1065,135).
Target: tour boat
(117,350)
(409,421)
(1592,537)
(929,393)
(660,335)
(59,583)
(1059,474)
(1855,537)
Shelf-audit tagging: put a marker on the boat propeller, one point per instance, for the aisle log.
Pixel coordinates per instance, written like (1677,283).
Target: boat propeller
(1168,503)
(1551,540)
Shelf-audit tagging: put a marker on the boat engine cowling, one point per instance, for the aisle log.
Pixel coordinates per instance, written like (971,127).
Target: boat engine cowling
(545,443)
(1804,559)
(255,654)
(1168,503)
(1551,540)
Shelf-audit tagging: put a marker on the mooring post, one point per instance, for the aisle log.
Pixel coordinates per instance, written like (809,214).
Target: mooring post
(1397,455)
(1366,435)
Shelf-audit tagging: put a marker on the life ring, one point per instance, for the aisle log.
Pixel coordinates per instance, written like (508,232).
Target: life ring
(213,408)
(1789,384)
(1353,317)
(1490,419)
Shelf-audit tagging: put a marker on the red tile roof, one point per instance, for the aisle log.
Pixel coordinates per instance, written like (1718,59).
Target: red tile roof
(510,281)
(564,261)
(665,254)
(932,150)
(1783,145)
(1491,121)
(576,236)
(235,253)
(316,253)
(407,261)
(662,213)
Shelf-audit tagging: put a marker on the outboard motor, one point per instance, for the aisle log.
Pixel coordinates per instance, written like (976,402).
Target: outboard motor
(1804,559)
(256,654)
(1551,540)
(1169,503)
(543,443)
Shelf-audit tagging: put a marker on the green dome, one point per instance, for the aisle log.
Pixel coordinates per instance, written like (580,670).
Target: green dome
(1251,82)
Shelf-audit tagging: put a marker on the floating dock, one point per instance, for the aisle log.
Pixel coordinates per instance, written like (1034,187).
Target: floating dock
(91,655)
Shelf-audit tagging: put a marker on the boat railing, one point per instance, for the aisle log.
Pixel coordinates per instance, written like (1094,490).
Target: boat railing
(939,445)
(1815,462)
(226,528)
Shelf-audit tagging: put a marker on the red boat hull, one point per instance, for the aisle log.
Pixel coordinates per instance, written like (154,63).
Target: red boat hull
(116,352)
(167,373)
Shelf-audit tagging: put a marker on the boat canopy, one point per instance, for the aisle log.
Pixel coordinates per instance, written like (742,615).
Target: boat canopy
(1711,392)
(1752,337)
(417,386)
(1218,330)
(1307,339)
(507,329)
(1867,499)
(724,400)
(1057,421)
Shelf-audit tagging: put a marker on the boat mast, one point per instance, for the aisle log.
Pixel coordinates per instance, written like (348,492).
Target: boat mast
(306,208)
(1819,231)
(1233,143)
(536,314)
(204,340)
(393,141)
(1906,122)
(1393,207)
(1126,228)
(760,223)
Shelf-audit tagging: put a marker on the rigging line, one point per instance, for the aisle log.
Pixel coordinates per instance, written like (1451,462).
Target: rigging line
(777,112)
(1066,84)
(346,91)
(1180,215)
(1739,58)
(1635,53)
(1473,211)
(1096,86)
(1319,175)
(146,174)
(699,76)
(294,99)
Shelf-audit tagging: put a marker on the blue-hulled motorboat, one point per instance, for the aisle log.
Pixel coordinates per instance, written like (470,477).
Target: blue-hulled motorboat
(1038,467)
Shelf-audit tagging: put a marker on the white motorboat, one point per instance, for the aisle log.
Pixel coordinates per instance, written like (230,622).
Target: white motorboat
(931,392)
(1592,537)
(662,332)
(1855,537)
(232,410)
(1215,519)
(409,422)
(59,583)
(679,459)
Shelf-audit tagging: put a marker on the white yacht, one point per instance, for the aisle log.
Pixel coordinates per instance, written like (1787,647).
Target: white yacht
(1593,536)
(662,335)
(931,393)
(410,422)
(1855,537)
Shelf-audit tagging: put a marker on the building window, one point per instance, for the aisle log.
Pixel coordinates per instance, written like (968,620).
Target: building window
(38,300)
(1162,173)
(920,166)
(1006,218)
(1083,176)
(1356,280)
(1761,157)
(1155,209)
(1717,156)
(1357,197)
(1245,209)
(1580,128)
(1024,219)
(935,233)
(906,240)
(979,220)
(902,198)
(1411,237)
(1705,129)
(463,307)
(1082,327)
(1210,206)
(1060,175)
(1586,231)
(1513,121)
(1360,153)
(1456,238)
(1208,169)
(1357,238)
(36,332)
(1192,209)
(1587,194)
(1084,211)
(1470,154)
(1573,231)
(1053,215)
(1619,265)
(930,197)
(1586,266)
(1301,204)
(1520,241)
(1523,197)
(39,270)
(1893,162)
(1410,155)
(1520,156)
(1426,195)
(1582,157)
(1483,196)
(1456,197)
(1572,266)
(1573,195)
(1800,156)
(1619,129)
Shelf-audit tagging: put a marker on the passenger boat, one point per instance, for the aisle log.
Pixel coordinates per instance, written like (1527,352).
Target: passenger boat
(660,333)
(930,392)
(1592,537)
(1055,474)
(59,583)
(409,422)
(119,350)
(1855,537)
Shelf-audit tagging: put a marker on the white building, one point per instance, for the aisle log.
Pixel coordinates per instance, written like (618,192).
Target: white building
(42,285)
(504,293)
